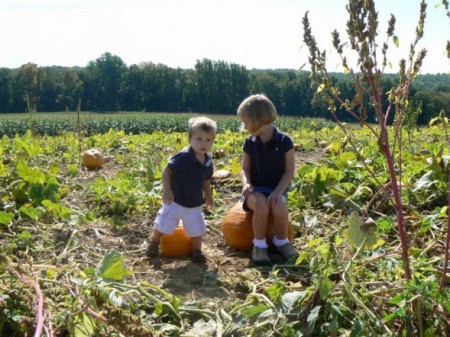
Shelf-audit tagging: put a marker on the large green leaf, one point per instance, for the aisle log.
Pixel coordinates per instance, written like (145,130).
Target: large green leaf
(32,175)
(356,235)
(5,218)
(112,267)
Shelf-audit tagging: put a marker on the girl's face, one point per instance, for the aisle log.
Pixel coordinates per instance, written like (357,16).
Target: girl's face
(201,141)
(248,124)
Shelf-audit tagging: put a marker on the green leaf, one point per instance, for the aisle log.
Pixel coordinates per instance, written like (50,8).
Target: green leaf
(396,41)
(425,182)
(275,291)
(254,311)
(357,328)
(434,121)
(112,267)
(357,236)
(396,299)
(85,327)
(32,175)
(325,287)
(30,212)
(5,218)
(333,327)
(3,170)
(290,299)
(312,317)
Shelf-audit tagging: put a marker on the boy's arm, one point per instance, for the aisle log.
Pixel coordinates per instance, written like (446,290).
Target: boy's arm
(168,196)
(208,195)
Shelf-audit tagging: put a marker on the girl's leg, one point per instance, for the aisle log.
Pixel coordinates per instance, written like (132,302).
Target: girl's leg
(257,202)
(281,222)
(280,216)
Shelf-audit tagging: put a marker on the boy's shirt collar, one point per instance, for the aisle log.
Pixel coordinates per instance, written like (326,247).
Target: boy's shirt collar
(208,160)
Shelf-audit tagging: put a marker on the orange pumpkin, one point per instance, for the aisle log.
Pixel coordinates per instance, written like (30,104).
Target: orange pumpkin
(237,228)
(176,244)
(94,159)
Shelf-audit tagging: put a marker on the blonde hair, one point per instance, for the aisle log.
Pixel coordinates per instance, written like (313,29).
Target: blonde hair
(259,109)
(201,123)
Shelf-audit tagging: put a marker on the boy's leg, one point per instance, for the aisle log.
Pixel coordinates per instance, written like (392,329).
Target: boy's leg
(197,254)
(153,245)
(195,226)
(165,223)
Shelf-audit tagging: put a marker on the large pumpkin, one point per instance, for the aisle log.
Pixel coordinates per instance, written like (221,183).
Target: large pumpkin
(94,159)
(237,228)
(176,244)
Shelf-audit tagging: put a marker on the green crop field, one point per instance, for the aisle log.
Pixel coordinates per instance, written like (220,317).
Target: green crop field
(73,240)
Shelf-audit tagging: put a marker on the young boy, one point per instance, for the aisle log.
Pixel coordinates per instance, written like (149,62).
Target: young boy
(267,170)
(185,179)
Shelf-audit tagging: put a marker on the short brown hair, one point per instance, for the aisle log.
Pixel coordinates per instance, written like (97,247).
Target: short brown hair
(259,109)
(203,123)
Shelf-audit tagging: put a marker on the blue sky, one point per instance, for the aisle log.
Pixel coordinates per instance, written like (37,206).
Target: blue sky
(255,33)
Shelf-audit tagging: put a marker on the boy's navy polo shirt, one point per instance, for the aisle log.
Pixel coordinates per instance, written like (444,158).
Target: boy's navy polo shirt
(188,177)
(267,160)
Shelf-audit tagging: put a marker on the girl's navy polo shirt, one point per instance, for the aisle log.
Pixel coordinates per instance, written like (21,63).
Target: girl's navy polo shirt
(267,160)
(188,177)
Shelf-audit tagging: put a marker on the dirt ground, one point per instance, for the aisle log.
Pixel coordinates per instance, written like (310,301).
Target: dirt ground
(224,274)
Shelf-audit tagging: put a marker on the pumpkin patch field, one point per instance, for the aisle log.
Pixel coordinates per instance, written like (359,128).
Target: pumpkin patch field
(73,237)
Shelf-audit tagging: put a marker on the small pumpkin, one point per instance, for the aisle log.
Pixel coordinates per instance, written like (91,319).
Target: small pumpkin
(176,244)
(94,159)
(237,228)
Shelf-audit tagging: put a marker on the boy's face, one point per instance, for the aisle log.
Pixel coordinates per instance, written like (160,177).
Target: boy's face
(201,141)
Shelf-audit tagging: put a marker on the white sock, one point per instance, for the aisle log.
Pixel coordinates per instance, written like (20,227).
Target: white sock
(260,243)
(277,242)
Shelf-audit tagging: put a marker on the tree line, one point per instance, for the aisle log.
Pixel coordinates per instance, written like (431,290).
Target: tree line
(107,84)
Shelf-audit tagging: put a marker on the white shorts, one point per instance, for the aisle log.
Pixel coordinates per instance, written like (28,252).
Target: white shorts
(169,216)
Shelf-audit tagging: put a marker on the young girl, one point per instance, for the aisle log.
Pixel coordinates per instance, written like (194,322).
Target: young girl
(267,170)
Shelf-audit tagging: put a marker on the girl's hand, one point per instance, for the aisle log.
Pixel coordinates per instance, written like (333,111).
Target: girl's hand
(247,190)
(274,198)
(168,197)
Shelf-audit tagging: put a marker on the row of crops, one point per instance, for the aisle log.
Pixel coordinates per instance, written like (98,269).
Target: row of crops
(131,123)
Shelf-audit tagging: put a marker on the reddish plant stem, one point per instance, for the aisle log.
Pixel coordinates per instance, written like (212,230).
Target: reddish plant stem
(397,204)
(39,309)
(382,119)
(447,243)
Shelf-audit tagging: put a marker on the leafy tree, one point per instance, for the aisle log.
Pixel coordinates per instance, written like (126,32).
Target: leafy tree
(27,81)
(103,78)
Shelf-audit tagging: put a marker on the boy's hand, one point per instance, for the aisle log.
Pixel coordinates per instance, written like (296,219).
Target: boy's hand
(247,190)
(168,197)
(209,204)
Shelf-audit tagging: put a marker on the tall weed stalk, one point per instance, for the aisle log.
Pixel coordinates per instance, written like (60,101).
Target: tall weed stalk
(362,30)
